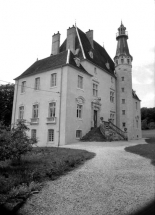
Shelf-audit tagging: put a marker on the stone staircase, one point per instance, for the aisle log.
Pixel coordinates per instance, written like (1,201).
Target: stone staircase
(107,131)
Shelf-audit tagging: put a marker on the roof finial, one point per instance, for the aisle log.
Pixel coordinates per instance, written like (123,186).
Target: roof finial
(75,22)
(121,22)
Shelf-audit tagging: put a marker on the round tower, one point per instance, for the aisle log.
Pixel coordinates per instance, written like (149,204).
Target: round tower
(123,71)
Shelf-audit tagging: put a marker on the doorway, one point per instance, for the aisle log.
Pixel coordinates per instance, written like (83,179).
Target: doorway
(95,118)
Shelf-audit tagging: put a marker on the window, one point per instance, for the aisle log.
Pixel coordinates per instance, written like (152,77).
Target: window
(123,112)
(112,80)
(116,62)
(122,78)
(78,134)
(53,80)
(80,82)
(112,96)
(95,90)
(21,112)
(33,133)
(23,87)
(128,60)
(79,111)
(122,60)
(123,90)
(35,111)
(50,135)
(112,117)
(123,101)
(137,123)
(37,84)
(136,105)
(123,124)
(52,107)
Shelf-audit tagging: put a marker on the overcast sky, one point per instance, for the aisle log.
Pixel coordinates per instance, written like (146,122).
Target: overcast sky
(27,26)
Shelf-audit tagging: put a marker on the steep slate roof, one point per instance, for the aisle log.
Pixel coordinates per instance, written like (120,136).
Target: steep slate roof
(52,62)
(100,56)
(134,95)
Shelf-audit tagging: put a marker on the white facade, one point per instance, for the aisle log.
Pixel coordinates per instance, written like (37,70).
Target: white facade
(63,102)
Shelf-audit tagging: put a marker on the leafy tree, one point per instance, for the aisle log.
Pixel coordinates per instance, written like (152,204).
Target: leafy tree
(16,142)
(6,103)
(147,117)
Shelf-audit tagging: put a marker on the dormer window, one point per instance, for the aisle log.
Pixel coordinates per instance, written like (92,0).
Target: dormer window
(91,54)
(77,61)
(107,65)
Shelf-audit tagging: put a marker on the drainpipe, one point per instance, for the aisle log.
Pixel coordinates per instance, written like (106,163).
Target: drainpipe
(15,103)
(60,105)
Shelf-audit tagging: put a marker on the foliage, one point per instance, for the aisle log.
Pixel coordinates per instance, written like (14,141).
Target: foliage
(148,118)
(6,103)
(16,142)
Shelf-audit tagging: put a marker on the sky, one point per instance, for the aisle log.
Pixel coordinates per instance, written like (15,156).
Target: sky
(27,26)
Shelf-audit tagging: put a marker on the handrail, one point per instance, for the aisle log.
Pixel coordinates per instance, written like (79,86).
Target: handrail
(118,130)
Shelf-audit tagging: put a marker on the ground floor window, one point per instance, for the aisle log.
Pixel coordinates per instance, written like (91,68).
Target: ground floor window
(78,134)
(50,135)
(33,133)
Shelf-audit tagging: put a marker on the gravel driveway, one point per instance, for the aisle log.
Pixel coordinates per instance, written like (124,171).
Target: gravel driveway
(114,182)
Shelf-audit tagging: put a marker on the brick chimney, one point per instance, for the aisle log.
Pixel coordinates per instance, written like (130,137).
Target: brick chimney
(89,35)
(71,34)
(55,43)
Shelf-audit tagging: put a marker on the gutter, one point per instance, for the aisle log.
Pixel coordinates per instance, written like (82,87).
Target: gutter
(60,105)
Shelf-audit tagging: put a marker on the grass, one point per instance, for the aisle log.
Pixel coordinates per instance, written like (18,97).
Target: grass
(38,166)
(145,150)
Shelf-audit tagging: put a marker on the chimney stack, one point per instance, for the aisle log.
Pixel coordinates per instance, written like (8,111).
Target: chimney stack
(71,34)
(55,43)
(89,35)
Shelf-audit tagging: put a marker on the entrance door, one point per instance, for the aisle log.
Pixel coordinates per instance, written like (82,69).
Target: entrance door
(95,118)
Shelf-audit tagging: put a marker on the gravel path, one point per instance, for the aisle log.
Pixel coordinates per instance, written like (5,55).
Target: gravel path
(115,182)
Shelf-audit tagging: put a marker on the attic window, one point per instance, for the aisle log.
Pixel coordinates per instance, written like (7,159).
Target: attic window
(77,61)
(91,54)
(107,65)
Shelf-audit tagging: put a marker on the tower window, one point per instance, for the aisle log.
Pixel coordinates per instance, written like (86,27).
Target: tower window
(122,78)
(123,112)
(128,60)
(123,124)
(123,101)
(122,60)
(123,90)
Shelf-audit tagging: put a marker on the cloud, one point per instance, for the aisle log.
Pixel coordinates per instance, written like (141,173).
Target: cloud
(148,100)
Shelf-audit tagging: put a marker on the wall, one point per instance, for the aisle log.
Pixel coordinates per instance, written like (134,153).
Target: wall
(137,133)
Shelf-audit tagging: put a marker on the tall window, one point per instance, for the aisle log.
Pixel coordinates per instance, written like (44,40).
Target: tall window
(136,105)
(53,80)
(112,117)
(123,101)
(23,87)
(122,78)
(123,90)
(128,60)
(78,134)
(35,111)
(95,90)
(37,84)
(112,96)
(21,112)
(33,133)
(79,111)
(122,60)
(123,112)
(80,82)
(52,107)
(50,135)
(123,124)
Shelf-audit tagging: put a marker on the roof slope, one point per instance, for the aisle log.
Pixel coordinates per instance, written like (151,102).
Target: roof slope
(100,56)
(50,63)
(134,95)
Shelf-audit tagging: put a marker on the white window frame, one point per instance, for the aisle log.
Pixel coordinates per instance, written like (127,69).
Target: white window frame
(33,133)
(52,109)
(21,112)
(50,135)
(112,96)
(53,80)
(35,108)
(95,89)
(78,134)
(23,86)
(80,82)
(79,111)
(37,83)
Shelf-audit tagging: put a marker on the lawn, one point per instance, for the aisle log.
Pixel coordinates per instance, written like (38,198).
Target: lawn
(145,150)
(38,166)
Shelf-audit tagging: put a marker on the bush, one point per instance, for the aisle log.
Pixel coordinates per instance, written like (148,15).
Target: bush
(16,142)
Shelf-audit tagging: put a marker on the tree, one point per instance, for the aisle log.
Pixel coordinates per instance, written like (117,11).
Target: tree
(6,103)
(16,142)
